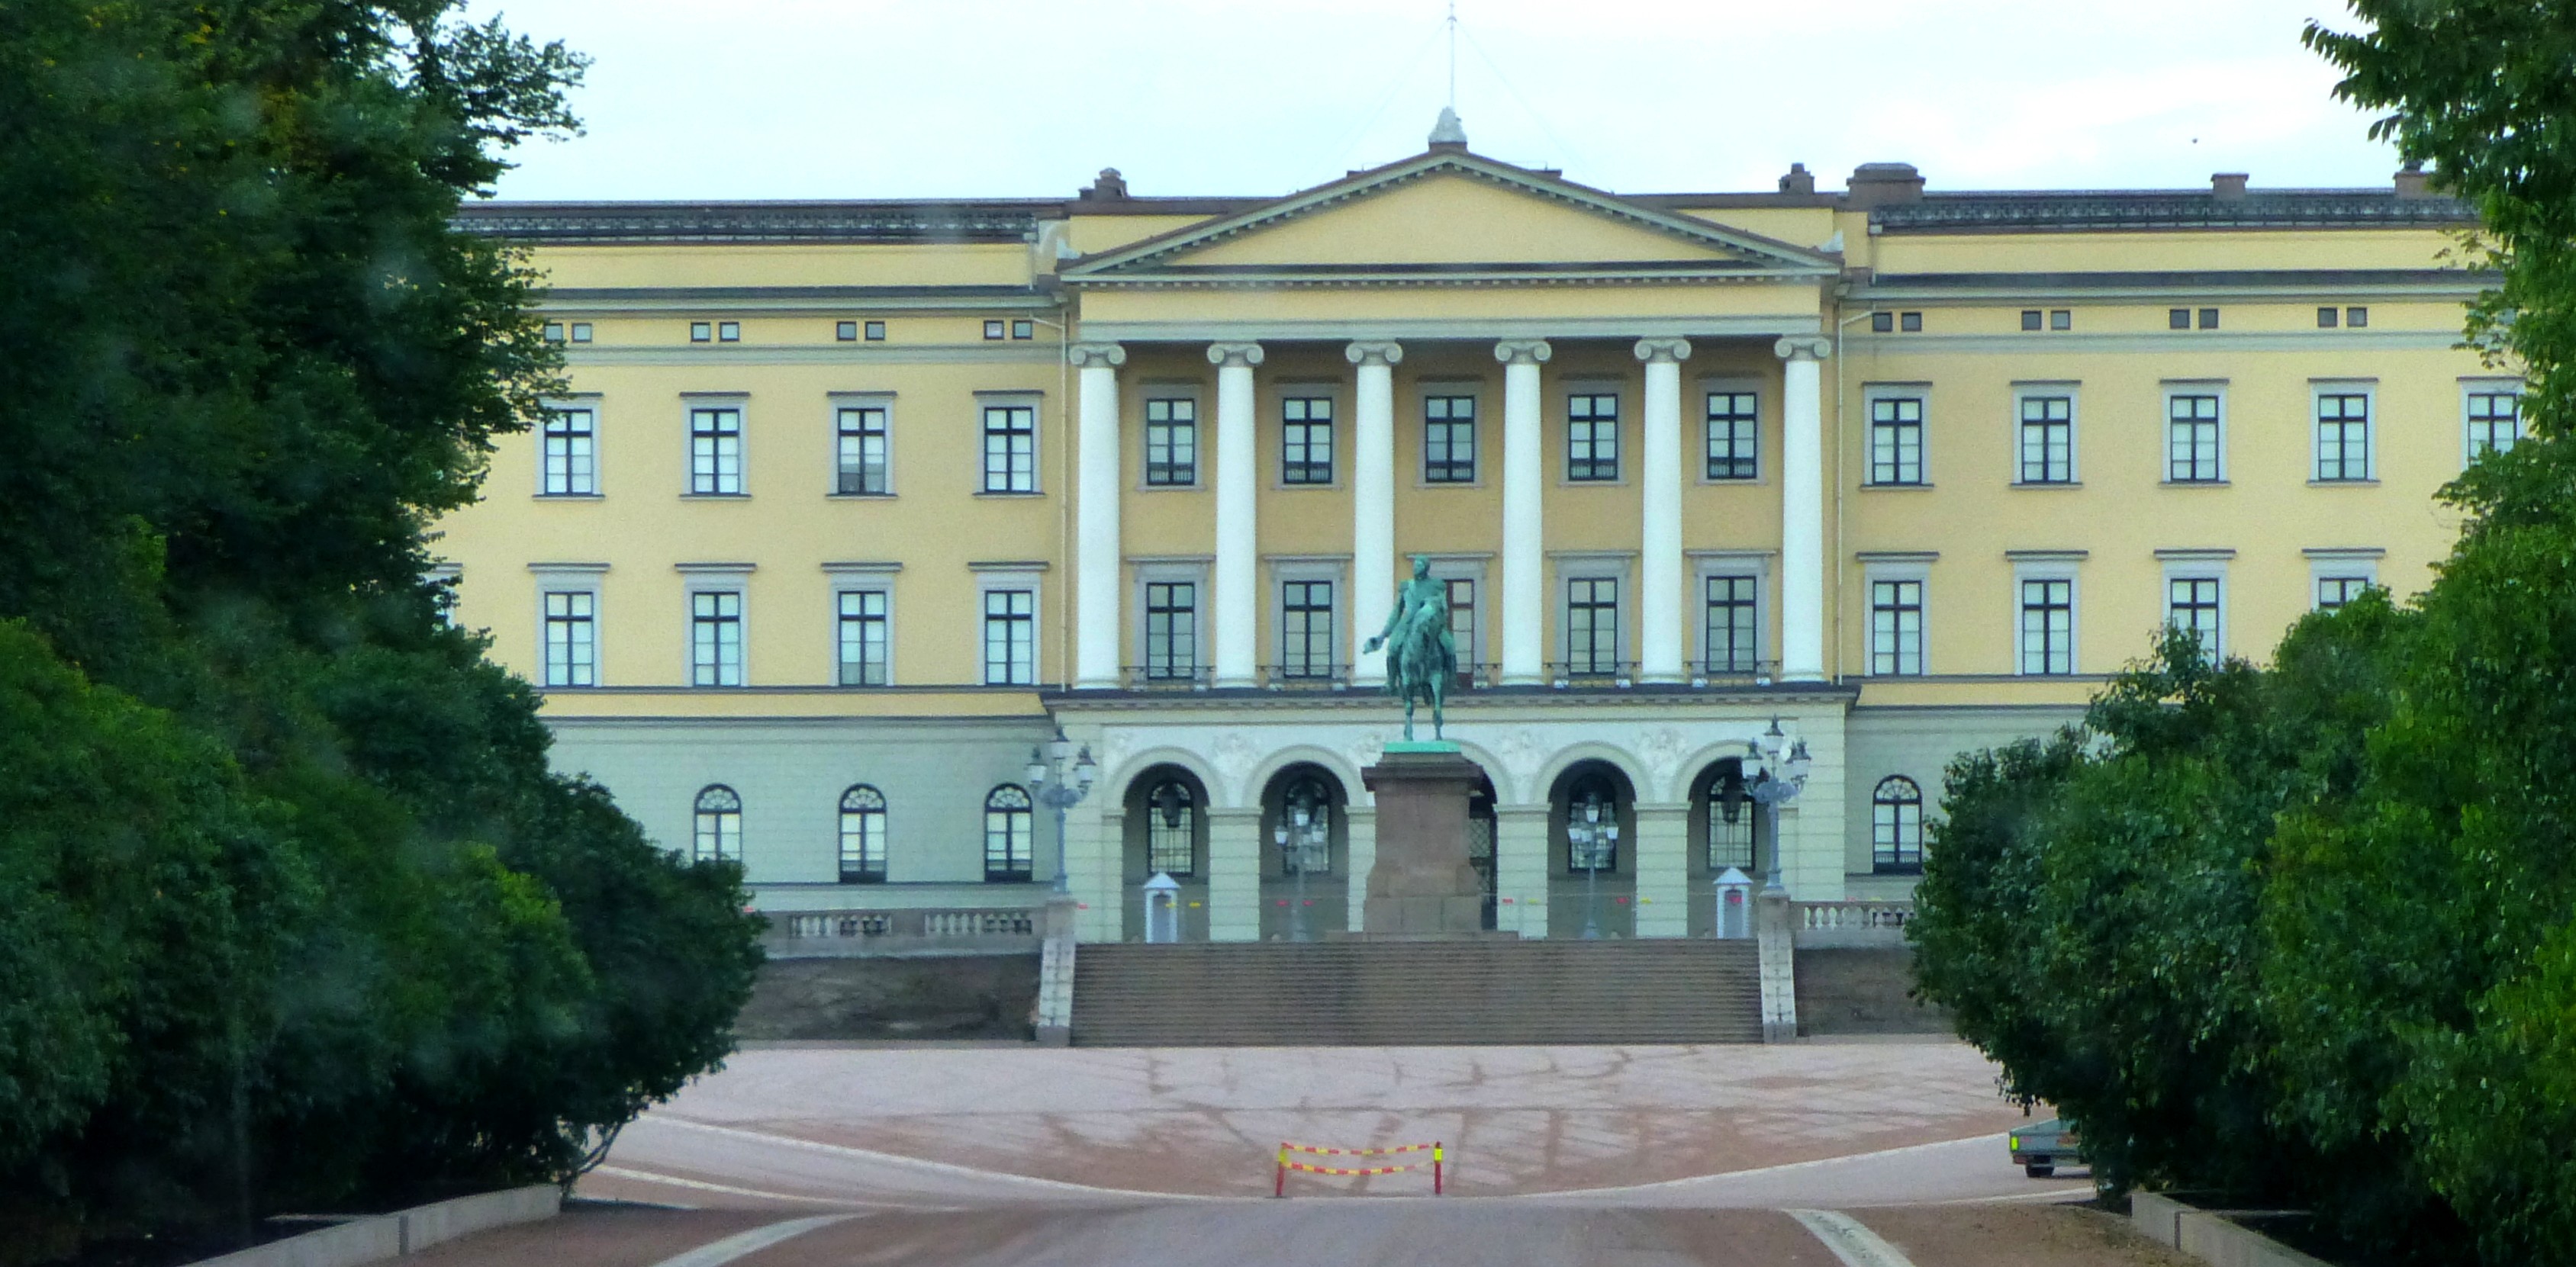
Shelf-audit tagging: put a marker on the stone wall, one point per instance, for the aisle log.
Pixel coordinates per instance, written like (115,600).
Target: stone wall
(893,997)
(1862,991)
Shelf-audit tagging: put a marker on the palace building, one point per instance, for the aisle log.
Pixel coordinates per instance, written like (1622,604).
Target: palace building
(854,504)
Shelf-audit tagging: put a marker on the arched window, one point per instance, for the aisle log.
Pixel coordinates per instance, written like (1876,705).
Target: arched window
(1730,821)
(1171,830)
(719,834)
(1008,853)
(1592,825)
(1896,825)
(863,859)
(1304,832)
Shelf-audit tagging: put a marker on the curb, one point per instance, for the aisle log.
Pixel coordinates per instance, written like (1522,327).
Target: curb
(377,1237)
(2212,1236)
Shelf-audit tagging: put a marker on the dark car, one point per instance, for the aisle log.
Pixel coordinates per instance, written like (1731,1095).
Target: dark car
(2041,1147)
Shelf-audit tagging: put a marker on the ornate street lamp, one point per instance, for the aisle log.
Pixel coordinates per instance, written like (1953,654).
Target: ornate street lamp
(1590,839)
(1304,835)
(1060,788)
(1775,771)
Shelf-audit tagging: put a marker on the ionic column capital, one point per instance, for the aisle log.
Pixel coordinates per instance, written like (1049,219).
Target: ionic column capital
(1523,351)
(1803,347)
(1380,353)
(1655,350)
(1245,354)
(1105,355)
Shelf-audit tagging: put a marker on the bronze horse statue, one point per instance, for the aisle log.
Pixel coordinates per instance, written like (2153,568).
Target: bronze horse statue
(1421,654)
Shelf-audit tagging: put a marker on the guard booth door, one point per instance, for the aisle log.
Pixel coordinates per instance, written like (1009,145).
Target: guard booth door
(1480,847)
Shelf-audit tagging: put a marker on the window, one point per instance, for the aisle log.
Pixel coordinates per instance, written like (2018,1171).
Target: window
(581,332)
(1306,629)
(1449,440)
(2030,318)
(1592,626)
(2335,591)
(572,646)
(1008,851)
(2178,319)
(2327,318)
(874,331)
(862,455)
(701,331)
(1909,322)
(1730,822)
(2047,625)
(1896,826)
(2191,439)
(719,828)
(2356,318)
(1592,826)
(1171,830)
(1896,628)
(715,638)
(1024,330)
(1010,637)
(572,455)
(2191,602)
(1171,443)
(1734,432)
(2343,437)
(1896,440)
(1010,449)
(863,846)
(2061,319)
(1306,440)
(1462,619)
(1882,322)
(846,331)
(715,452)
(553,332)
(728,332)
(992,329)
(861,642)
(2047,440)
(1171,631)
(1732,643)
(2209,318)
(2495,421)
(1592,437)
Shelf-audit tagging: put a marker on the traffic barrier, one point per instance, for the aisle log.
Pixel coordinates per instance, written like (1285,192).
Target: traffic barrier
(1279,1185)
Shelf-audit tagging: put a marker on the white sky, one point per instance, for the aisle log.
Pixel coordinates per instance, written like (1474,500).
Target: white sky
(1022,98)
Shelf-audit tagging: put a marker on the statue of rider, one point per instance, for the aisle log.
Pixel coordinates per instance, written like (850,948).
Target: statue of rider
(1422,653)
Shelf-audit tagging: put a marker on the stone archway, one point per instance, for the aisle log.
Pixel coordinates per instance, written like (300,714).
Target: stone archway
(1164,829)
(1592,846)
(1725,831)
(1305,853)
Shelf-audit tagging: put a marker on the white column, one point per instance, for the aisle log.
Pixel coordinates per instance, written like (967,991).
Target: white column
(1663,870)
(1237,625)
(1659,548)
(1524,594)
(1521,869)
(1096,493)
(1360,825)
(1234,875)
(1802,509)
(1372,465)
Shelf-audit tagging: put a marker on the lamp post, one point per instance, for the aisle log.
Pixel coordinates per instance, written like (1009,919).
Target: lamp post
(1305,830)
(1775,772)
(1592,838)
(1060,788)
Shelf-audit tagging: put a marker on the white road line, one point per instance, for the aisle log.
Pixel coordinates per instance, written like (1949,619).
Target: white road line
(1782,1168)
(741,1244)
(647,1176)
(916,1163)
(1857,1246)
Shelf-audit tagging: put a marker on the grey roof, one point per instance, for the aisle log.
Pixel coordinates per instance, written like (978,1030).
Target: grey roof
(2021,212)
(888,221)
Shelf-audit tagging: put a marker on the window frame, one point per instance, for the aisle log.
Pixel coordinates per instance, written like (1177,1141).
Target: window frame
(2320,391)
(1147,578)
(2052,573)
(1156,834)
(1750,460)
(2349,564)
(2189,390)
(1449,394)
(1890,853)
(2199,571)
(1469,571)
(706,461)
(1593,469)
(845,587)
(587,621)
(711,618)
(1872,398)
(1334,637)
(1619,571)
(2024,396)
(843,408)
(987,404)
(2476,389)
(707,839)
(589,408)
(870,858)
(988,586)
(1304,395)
(1019,852)
(1918,575)
(1172,401)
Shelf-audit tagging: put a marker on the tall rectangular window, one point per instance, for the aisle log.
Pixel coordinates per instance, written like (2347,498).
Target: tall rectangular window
(572,641)
(1592,437)
(2343,436)
(1171,631)
(715,452)
(715,638)
(2191,439)
(1449,439)
(1306,629)
(2047,440)
(2191,602)
(1734,432)
(1306,440)
(2047,626)
(861,646)
(2495,422)
(1592,626)
(1895,628)
(862,452)
(1171,443)
(2335,591)
(1010,449)
(572,454)
(1462,619)
(1731,631)
(1896,440)
(1010,638)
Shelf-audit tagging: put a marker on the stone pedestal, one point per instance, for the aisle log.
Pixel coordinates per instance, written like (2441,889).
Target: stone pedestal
(1421,884)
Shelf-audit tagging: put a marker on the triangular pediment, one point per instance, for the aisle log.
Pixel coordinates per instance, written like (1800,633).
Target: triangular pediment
(1453,216)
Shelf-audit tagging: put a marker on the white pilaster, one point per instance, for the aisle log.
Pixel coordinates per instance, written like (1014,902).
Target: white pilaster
(1524,594)
(1659,550)
(1802,509)
(1663,870)
(1234,875)
(1520,869)
(1237,615)
(1372,466)
(1360,827)
(1096,492)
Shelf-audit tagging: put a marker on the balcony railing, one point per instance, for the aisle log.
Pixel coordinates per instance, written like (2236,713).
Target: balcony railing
(861,932)
(1298,677)
(1734,672)
(1865,923)
(1565,673)
(1167,677)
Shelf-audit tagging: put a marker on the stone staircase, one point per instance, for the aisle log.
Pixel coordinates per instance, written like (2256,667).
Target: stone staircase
(1404,993)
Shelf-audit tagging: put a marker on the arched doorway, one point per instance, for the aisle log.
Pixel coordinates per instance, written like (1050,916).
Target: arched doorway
(1592,835)
(1165,832)
(1725,831)
(1305,854)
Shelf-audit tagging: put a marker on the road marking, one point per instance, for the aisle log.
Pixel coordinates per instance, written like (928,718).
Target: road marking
(917,1163)
(742,1244)
(1782,1168)
(1857,1246)
(647,1176)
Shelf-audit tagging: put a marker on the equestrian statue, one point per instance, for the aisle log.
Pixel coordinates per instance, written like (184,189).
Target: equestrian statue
(1421,654)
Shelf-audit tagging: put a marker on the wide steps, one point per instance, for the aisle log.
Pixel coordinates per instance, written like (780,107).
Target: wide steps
(1431,993)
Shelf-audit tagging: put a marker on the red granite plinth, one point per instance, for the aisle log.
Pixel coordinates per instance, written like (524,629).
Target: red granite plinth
(1422,884)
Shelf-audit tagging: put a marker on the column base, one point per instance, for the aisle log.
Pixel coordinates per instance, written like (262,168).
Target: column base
(1228,681)
(1523,679)
(1662,679)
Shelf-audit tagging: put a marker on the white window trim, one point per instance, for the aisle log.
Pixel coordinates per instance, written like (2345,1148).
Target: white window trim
(1488,438)
(690,403)
(1918,571)
(597,407)
(1754,563)
(1870,395)
(1696,412)
(1035,403)
(2201,565)
(989,579)
(1618,566)
(832,439)
(1627,437)
(1143,573)
(1335,569)
(2050,569)
(2362,561)
(1274,430)
(1469,568)
(712,578)
(848,578)
(2072,393)
(2164,452)
(2487,387)
(1202,427)
(573,578)
(2319,388)
(450,577)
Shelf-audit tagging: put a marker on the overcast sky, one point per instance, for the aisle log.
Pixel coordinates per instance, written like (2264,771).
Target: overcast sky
(1019,98)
